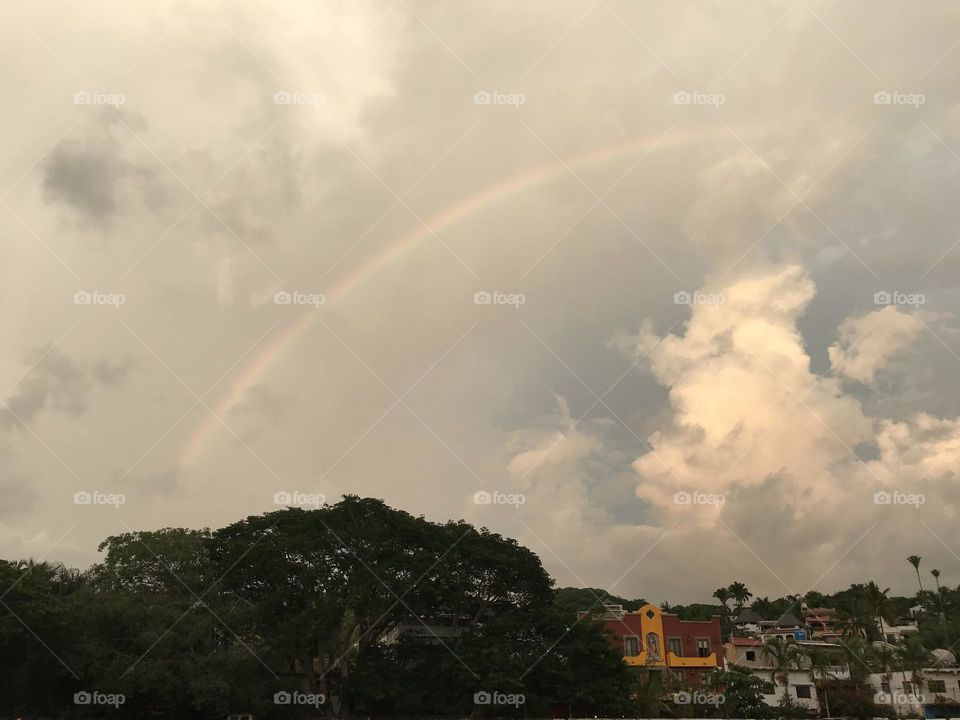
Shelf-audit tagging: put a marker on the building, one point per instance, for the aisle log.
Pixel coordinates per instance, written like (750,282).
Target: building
(936,694)
(823,623)
(787,625)
(800,687)
(904,628)
(748,621)
(683,650)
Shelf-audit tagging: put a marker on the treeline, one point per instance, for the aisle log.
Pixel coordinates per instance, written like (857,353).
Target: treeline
(301,613)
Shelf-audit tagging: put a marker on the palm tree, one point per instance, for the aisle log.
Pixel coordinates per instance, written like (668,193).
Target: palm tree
(877,600)
(723,595)
(943,615)
(915,561)
(739,593)
(783,653)
(857,655)
(913,657)
(820,663)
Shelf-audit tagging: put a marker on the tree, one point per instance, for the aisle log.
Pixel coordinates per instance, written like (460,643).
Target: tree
(324,585)
(740,594)
(914,657)
(915,561)
(742,693)
(877,600)
(723,595)
(784,655)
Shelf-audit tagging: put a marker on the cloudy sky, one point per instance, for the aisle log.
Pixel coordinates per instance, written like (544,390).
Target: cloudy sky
(674,284)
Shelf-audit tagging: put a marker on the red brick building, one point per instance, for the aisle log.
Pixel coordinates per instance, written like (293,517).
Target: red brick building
(684,650)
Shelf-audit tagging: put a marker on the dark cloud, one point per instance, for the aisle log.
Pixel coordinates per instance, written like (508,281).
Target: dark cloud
(60,383)
(92,174)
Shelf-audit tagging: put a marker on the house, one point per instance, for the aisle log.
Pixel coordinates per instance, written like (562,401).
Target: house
(904,628)
(823,623)
(932,696)
(800,687)
(748,621)
(787,625)
(682,650)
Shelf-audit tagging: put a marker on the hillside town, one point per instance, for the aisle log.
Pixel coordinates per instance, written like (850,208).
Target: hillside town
(800,659)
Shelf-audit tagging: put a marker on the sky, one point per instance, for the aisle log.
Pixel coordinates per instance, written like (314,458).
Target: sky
(665,290)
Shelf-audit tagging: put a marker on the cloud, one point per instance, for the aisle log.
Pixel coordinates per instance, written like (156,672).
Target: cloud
(95,174)
(866,343)
(58,382)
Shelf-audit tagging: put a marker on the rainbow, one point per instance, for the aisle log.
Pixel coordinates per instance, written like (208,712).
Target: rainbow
(260,365)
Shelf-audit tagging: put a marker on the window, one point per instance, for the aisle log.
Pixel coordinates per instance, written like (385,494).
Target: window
(937,686)
(768,689)
(678,680)
(908,688)
(803,691)
(751,655)
(885,686)
(631,645)
(674,646)
(703,647)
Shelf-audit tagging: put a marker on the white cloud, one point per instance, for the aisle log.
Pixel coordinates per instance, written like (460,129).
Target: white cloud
(866,343)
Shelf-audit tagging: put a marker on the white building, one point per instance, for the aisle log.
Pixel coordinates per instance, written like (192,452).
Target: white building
(800,687)
(938,686)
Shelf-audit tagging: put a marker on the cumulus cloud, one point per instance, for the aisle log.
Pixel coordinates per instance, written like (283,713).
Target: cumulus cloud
(866,343)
